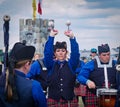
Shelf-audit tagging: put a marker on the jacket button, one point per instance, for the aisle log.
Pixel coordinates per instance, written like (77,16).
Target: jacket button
(61,89)
(61,79)
(61,84)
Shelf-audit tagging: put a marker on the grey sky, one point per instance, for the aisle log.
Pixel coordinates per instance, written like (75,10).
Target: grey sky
(94,22)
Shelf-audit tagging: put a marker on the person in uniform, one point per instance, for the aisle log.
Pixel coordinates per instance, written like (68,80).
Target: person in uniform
(61,70)
(92,75)
(20,91)
(93,53)
(38,72)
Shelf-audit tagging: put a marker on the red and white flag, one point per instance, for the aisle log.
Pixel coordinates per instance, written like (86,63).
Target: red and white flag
(39,7)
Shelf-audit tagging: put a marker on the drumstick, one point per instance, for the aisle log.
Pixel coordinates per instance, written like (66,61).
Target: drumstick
(106,76)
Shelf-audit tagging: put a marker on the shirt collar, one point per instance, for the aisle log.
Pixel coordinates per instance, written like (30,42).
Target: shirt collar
(61,62)
(20,73)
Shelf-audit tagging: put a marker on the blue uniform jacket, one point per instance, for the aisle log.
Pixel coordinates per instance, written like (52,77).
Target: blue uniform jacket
(34,70)
(38,74)
(85,72)
(66,89)
(49,53)
(37,92)
(81,64)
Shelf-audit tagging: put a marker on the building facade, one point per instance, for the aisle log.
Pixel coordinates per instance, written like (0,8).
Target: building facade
(34,32)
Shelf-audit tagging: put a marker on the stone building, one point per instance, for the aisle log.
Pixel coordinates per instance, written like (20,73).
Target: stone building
(34,32)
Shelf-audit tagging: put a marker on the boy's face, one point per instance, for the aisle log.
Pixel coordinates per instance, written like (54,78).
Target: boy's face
(60,54)
(104,57)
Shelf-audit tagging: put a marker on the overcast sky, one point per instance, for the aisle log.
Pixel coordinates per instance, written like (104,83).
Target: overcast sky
(94,22)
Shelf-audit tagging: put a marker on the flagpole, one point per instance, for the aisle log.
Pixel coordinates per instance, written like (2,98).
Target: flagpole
(34,9)
(6,19)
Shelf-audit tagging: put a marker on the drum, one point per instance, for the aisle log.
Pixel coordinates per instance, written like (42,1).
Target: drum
(107,97)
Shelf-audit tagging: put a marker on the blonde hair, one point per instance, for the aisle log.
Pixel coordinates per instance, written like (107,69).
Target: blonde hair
(10,86)
(21,63)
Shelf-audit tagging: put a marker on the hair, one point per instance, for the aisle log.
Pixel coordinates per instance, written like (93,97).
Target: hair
(10,88)
(21,63)
(103,48)
(19,55)
(60,45)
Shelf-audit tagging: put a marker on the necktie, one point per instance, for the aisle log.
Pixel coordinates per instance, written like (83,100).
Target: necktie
(61,65)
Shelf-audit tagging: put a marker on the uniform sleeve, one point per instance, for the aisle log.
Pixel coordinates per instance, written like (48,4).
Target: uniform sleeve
(74,56)
(48,52)
(83,76)
(34,70)
(81,64)
(38,95)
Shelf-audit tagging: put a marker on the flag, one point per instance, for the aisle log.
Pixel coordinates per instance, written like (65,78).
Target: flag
(34,9)
(39,7)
